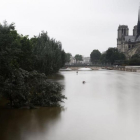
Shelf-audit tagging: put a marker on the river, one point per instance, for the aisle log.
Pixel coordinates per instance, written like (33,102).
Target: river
(106,107)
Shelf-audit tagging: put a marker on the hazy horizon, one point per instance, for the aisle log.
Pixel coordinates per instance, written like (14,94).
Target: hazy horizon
(81,25)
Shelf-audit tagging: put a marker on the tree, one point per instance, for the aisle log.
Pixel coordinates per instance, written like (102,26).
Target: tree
(135,60)
(95,56)
(24,64)
(68,56)
(103,58)
(25,58)
(112,54)
(136,56)
(78,57)
(48,54)
(31,89)
(63,58)
(9,49)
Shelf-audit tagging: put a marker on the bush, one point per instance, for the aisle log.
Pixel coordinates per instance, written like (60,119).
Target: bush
(25,88)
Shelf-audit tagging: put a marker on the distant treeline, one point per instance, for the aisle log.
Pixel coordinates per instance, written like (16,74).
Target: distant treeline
(24,64)
(114,57)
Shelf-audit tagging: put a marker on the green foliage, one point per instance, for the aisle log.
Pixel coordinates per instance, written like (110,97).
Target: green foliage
(22,62)
(25,58)
(135,56)
(25,88)
(9,49)
(63,58)
(78,57)
(48,54)
(135,60)
(68,56)
(95,56)
(15,88)
(112,55)
(103,58)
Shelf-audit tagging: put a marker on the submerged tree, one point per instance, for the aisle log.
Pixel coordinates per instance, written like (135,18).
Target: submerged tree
(24,64)
(30,89)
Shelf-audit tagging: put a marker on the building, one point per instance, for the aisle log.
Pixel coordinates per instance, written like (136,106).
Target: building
(86,60)
(72,60)
(129,44)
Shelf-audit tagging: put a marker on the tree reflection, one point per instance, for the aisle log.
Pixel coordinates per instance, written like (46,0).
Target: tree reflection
(24,124)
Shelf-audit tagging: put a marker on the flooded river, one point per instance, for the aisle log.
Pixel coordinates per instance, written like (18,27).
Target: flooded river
(106,107)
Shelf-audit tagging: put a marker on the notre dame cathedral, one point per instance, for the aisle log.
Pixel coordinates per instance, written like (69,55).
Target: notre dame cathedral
(129,44)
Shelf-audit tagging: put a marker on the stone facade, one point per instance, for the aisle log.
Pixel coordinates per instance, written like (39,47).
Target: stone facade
(129,44)
(86,60)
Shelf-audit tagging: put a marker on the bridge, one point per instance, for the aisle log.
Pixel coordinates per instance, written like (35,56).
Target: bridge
(77,67)
(93,67)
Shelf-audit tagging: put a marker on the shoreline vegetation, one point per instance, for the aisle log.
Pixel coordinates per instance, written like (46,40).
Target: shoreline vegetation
(113,57)
(25,64)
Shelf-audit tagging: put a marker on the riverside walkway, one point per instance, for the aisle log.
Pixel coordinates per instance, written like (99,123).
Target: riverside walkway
(124,68)
(119,68)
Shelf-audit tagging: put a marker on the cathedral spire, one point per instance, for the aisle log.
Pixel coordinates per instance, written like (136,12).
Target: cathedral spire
(138,26)
(139,15)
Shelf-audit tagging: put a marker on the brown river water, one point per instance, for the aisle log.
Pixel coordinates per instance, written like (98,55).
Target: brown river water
(106,107)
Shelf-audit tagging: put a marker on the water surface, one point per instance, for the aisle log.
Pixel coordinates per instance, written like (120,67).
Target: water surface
(106,107)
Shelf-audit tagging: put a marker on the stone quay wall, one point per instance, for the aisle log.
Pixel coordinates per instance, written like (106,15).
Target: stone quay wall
(125,68)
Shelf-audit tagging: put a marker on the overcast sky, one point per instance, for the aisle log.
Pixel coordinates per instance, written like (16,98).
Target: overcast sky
(81,25)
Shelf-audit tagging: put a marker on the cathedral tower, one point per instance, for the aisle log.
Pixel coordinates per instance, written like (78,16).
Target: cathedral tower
(135,31)
(123,31)
(129,44)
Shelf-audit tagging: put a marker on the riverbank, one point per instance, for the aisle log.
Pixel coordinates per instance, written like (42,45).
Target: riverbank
(124,68)
(79,68)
